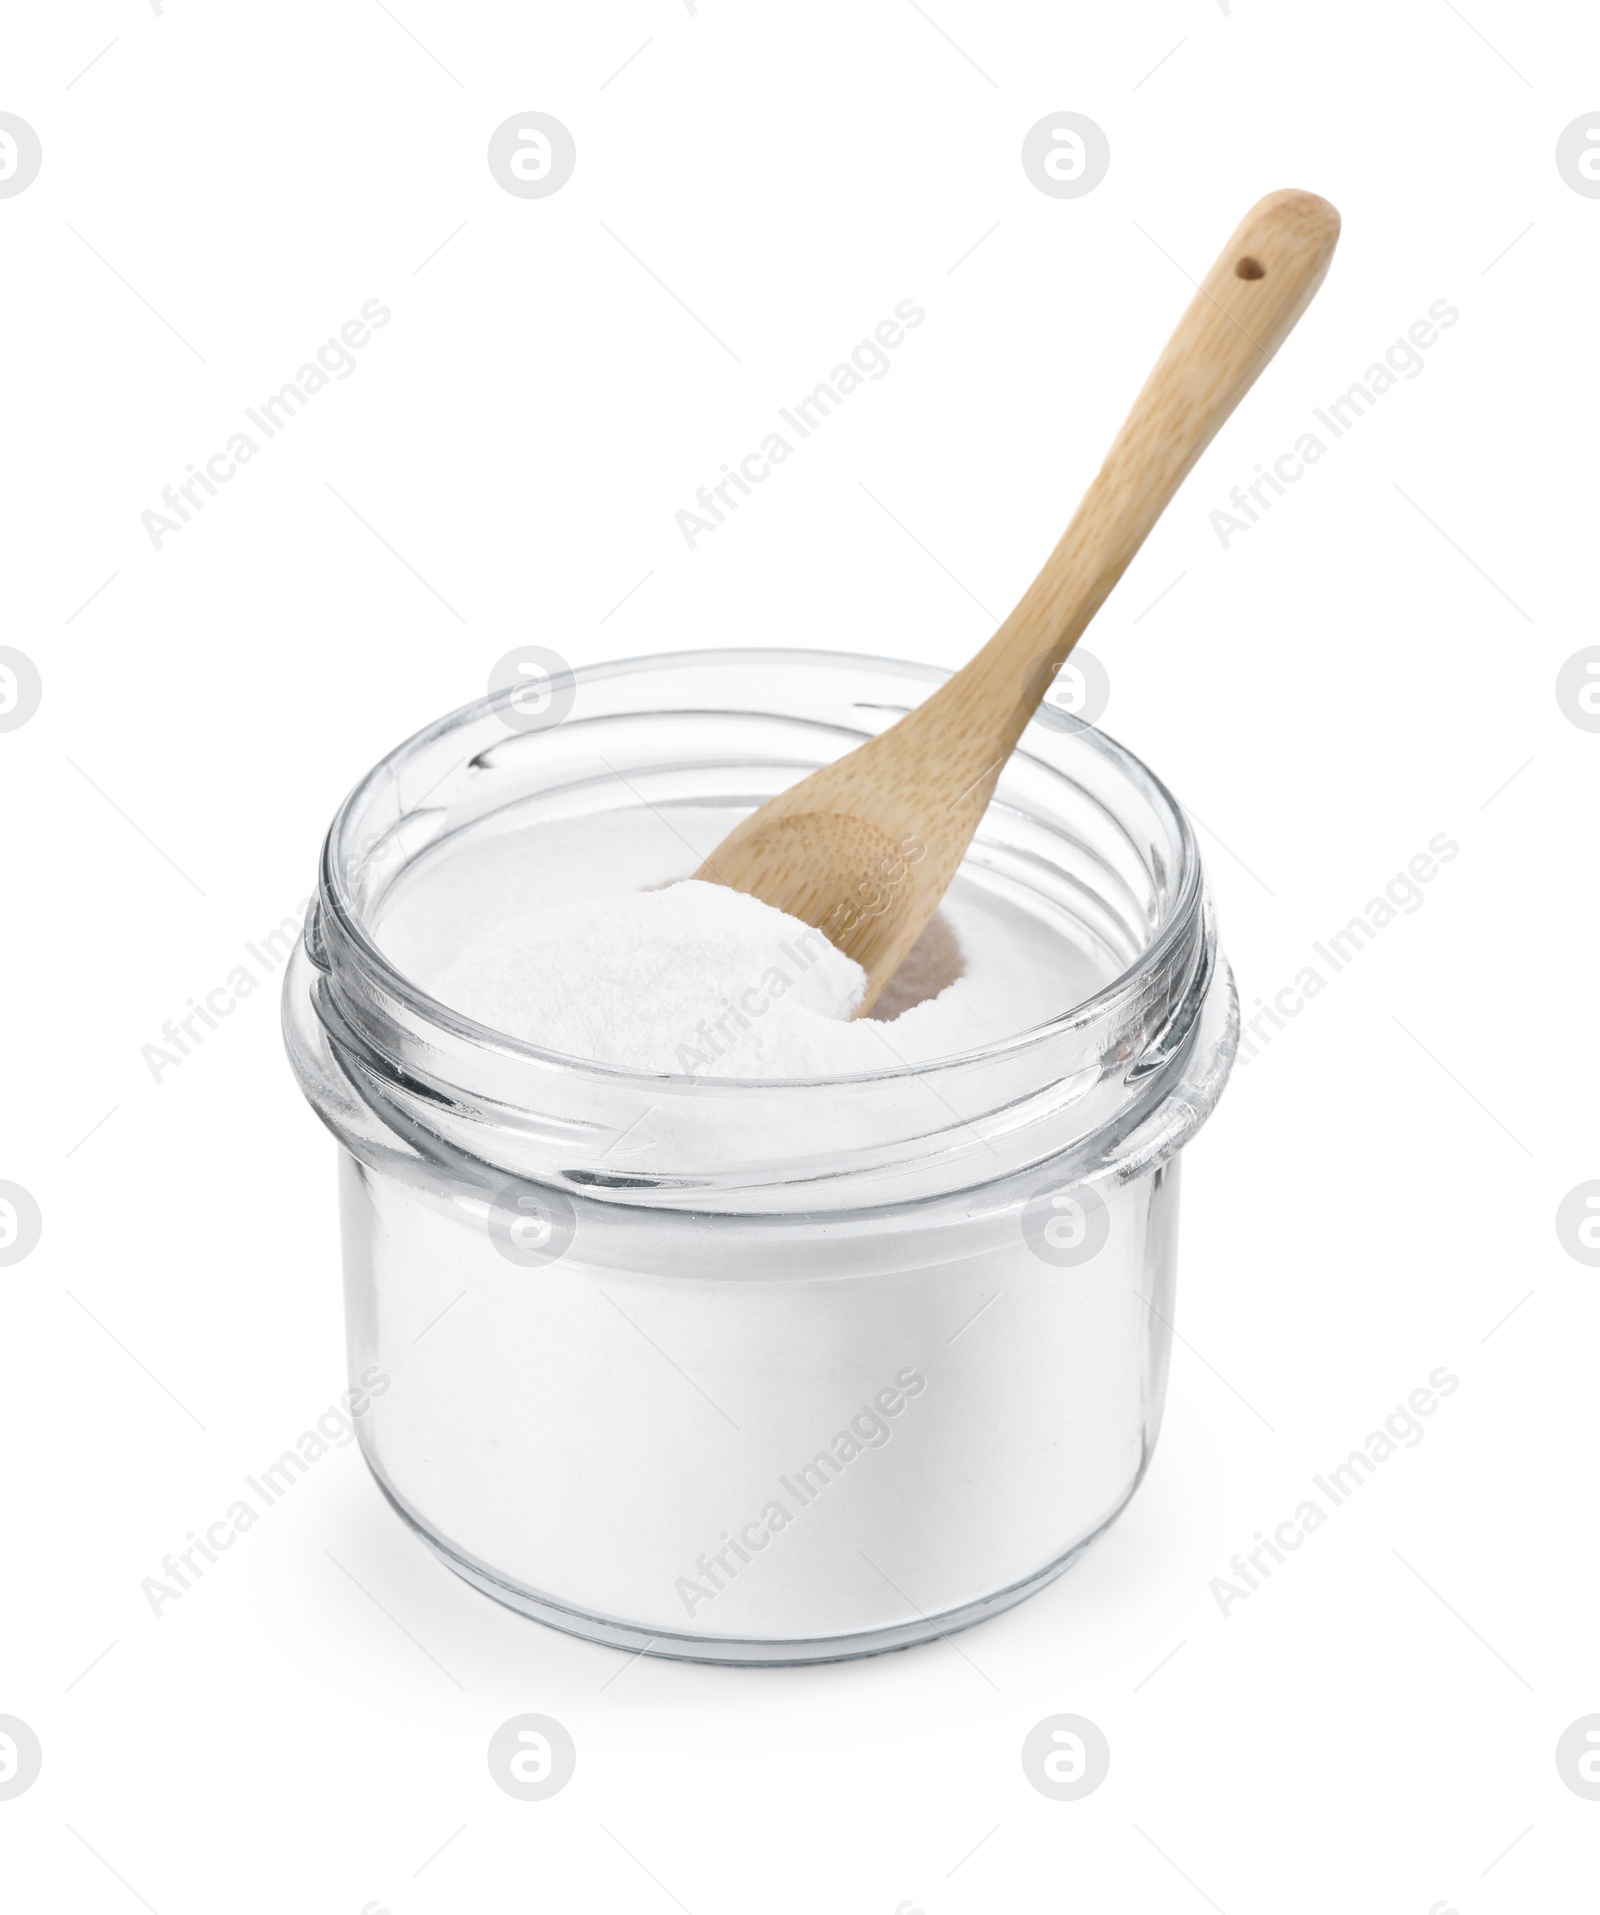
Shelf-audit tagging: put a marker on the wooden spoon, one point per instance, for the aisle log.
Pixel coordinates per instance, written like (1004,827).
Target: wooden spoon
(865,848)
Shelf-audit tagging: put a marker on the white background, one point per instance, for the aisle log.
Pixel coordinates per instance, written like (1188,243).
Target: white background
(1367,667)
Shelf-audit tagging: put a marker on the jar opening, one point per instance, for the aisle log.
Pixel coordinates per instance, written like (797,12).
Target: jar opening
(1079,831)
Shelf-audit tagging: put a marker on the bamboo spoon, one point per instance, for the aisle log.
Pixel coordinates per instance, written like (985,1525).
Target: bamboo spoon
(865,848)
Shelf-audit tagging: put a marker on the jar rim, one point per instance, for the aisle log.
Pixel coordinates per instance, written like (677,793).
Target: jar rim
(336,910)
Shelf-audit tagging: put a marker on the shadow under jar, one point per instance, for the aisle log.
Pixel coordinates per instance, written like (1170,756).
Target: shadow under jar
(758,1371)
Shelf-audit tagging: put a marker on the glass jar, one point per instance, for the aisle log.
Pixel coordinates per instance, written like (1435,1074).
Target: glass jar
(760,1371)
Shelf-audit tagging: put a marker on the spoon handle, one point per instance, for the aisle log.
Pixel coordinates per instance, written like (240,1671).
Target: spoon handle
(1246,307)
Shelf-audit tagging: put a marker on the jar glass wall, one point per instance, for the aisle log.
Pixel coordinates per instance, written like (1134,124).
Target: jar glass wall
(761,1371)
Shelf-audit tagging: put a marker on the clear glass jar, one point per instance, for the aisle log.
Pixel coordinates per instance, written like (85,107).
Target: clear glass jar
(879,1368)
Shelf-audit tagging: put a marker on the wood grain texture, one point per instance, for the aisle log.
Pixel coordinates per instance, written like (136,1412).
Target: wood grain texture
(865,848)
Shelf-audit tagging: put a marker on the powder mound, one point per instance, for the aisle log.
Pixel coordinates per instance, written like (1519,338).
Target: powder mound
(642,969)
(694,979)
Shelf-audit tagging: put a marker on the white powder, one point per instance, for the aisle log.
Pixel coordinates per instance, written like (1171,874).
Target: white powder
(562,935)
(693,978)
(627,1429)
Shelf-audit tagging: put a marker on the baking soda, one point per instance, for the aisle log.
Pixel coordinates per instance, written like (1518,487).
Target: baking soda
(583,937)
(743,1429)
